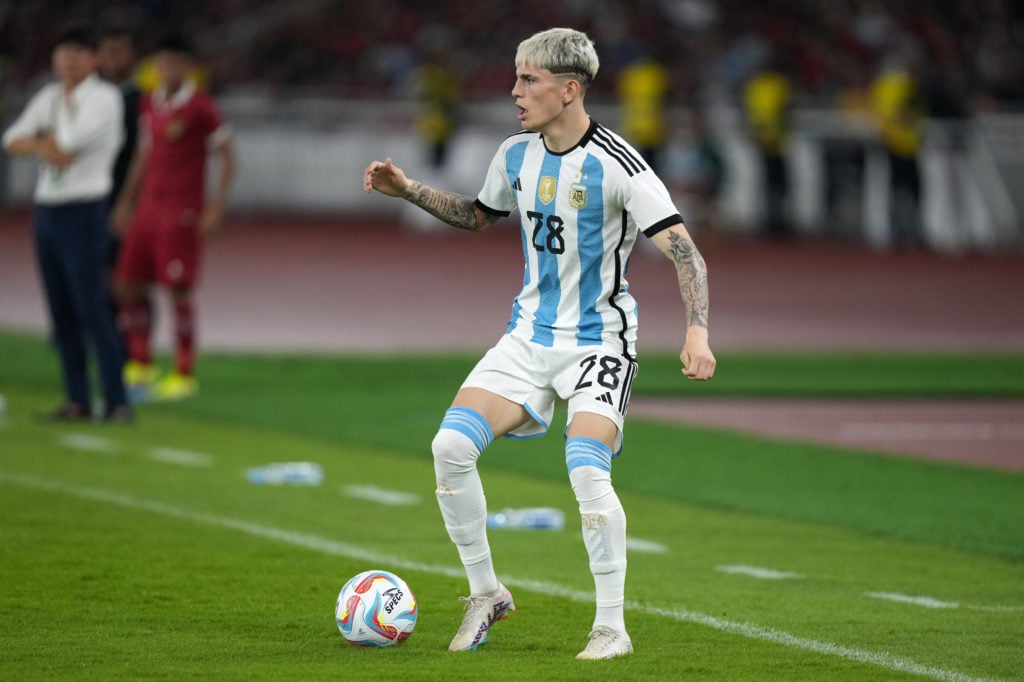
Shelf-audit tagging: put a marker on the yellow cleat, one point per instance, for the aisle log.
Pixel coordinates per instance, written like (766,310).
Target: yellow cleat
(139,379)
(139,374)
(175,386)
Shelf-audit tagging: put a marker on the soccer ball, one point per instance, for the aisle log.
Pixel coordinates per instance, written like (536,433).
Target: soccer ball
(375,609)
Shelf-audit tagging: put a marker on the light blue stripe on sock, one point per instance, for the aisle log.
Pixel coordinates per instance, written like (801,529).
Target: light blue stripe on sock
(469,423)
(581,452)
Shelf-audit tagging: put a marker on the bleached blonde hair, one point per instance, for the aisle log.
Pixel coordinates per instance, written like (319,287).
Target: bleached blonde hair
(560,51)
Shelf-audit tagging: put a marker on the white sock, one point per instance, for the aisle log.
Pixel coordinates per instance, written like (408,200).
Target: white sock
(460,494)
(604,535)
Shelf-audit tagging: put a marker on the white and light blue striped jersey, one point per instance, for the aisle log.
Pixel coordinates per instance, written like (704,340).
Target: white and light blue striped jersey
(581,212)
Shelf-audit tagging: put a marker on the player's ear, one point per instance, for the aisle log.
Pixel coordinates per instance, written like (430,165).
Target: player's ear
(570,90)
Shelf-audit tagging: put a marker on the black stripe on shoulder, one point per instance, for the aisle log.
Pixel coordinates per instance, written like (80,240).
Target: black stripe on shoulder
(490,211)
(662,225)
(632,163)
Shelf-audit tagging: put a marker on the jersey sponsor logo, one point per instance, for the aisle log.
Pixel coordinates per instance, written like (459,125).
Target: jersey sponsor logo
(517,185)
(546,189)
(175,129)
(578,196)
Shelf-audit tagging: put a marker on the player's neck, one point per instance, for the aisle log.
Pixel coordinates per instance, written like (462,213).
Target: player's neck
(172,89)
(566,131)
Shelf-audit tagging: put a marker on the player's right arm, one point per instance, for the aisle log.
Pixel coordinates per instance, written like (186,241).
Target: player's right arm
(455,209)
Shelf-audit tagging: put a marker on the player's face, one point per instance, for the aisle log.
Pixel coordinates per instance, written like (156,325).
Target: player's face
(539,96)
(173,68)
(72,63)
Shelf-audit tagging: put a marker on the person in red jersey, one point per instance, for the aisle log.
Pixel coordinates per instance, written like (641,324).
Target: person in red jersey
(164,214)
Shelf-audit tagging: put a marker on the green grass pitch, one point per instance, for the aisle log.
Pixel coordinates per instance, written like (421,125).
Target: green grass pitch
(142,551)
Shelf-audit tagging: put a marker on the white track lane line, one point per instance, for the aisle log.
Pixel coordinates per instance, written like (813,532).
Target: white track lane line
(333,547)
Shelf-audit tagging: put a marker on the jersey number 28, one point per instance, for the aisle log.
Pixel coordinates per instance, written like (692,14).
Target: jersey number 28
(553,241)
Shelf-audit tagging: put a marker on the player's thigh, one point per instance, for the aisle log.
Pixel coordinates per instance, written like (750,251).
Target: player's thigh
(596,384)
(178,253)
(135,263)
(593,425)
(502,414)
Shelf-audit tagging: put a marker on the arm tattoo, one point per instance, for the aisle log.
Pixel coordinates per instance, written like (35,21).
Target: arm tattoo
(693,278)
(455,209)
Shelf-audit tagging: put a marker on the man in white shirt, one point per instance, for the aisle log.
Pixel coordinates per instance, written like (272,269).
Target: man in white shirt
(75,127)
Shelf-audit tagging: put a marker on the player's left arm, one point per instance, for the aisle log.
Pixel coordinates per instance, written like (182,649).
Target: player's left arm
(692,273)
(213,210)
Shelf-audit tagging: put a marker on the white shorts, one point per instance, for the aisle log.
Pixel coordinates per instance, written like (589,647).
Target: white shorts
(594,379)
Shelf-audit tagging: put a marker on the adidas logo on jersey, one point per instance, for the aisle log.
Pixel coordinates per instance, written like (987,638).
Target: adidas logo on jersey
(517,186)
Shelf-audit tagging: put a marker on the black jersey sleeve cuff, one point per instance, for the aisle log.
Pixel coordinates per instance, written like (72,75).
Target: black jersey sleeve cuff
(663,225)
(490,211)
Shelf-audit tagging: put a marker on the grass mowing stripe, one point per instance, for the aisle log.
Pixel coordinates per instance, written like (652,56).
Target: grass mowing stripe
(324,545)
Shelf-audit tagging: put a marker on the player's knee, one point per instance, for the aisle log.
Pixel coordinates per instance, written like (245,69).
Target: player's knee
(589,464)
(463,435)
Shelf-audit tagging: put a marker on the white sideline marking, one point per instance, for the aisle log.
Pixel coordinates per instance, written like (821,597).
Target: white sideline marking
(333,547)
(88,443)
(185,458)
(393,498)
(649,546)
(757,572)
(927,602)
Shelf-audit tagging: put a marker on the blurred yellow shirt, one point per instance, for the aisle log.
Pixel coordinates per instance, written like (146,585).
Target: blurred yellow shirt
(642,88)
(898,112)
(766,100)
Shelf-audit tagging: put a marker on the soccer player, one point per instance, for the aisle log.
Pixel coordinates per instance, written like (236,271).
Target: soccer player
(165,189)
(74,127)
(582,196)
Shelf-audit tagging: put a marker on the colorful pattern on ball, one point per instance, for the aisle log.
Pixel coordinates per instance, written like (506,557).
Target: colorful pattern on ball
(375,609)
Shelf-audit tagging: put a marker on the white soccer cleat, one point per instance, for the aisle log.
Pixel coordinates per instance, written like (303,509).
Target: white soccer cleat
(606,643)
(481,614)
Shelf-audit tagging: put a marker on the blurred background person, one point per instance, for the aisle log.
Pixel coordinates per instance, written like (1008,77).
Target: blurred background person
(165,214)
(75,126)
(697,171)
(115,62)
(766,103)
(643,87)
(437,90)
(899,113)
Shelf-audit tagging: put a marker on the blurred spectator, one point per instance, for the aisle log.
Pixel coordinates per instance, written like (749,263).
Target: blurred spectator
(437,90)
(698,173)
(766,102)
(115,63)
(643,90)
(363,50)
(899,115)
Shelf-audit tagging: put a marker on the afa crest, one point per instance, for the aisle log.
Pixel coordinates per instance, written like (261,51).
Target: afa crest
(546,189)
(578,196)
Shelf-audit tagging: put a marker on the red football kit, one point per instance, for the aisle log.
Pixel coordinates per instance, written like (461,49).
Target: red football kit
(163,243)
